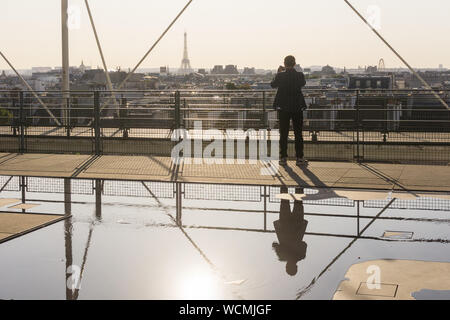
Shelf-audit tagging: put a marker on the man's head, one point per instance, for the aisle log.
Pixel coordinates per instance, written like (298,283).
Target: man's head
(291,268)
(289,62)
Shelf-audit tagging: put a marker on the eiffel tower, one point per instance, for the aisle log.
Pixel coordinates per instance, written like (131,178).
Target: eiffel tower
(185,64)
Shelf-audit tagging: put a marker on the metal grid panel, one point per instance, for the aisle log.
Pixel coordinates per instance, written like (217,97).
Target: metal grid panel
(55,185)
(126,110)
(163,190)
(137,122)
(372,125)
(222,110)
(64,127)
(429,204)
(405,126)
(338,202)
(222,192)
(83,187)
(13,185)
(9,121)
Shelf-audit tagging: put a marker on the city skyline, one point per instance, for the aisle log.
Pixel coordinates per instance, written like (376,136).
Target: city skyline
(333,34)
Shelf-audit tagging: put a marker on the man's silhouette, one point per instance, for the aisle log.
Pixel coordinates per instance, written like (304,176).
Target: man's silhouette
(290,229)
(290,104)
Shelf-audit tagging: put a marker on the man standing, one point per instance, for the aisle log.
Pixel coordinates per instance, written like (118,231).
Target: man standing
(290,104)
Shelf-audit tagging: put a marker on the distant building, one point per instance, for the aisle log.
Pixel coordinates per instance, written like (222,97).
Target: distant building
(185,68)
(400,84)
(231,69)
(91,75)
(370,82)
(39,85)
(82,67)
(217,70)
(164,71)
(337,83)
(149,83)
(51,76)
(446,85)
(202,71)
(40,81)
(371,69)
(433,78)
(328,71)
(40,69)
(249,71)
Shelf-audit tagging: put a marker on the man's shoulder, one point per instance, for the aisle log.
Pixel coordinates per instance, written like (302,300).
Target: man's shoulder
(285,74)
(289,76)
(297,73)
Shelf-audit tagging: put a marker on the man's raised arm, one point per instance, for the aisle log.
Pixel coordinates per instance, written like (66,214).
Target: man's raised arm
(276,82)
(302,80)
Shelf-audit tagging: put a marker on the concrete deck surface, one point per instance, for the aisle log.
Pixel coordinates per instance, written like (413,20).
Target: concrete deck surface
(396,280)
(162,169)
(13,225)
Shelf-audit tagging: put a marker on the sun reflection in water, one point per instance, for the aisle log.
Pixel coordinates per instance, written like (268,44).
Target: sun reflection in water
(199,286)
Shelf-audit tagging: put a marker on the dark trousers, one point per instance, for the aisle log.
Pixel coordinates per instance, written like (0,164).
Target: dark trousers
(285,123)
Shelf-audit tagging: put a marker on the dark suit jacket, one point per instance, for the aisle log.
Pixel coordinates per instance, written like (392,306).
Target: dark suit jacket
(289,96)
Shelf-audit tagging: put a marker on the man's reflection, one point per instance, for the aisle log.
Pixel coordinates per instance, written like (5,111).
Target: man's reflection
(290,229)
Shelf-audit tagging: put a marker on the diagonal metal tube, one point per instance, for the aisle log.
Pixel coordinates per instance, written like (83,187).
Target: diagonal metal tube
(65,74)
(31,89)
(153,46)
(398,55)
(105,67)
(156,43)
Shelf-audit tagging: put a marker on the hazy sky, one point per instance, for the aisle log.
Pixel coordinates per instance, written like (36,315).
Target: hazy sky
(255,33)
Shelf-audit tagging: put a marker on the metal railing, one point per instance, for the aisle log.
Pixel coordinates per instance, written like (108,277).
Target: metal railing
(362,125)
(202,192)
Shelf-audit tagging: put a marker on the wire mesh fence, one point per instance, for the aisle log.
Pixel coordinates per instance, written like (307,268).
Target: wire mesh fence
(205,192)
(10,133)
(338,202)
(339,125)
(58,186)
(139,189)
(222,192)
(429,204)
(8,183)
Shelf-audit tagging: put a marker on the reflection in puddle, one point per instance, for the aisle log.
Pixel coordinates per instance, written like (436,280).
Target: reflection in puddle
(290,229)
(431,295)
(198,286)
(148,240)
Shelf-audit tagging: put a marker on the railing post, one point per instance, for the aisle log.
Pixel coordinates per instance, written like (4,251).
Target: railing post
(68,122)
(179,203)
(386,119)
(183,113)
(15,119)
(265,116)
(177,115)
(97,131)
(21,123)
(98,198)
(123,116)
(358,129)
